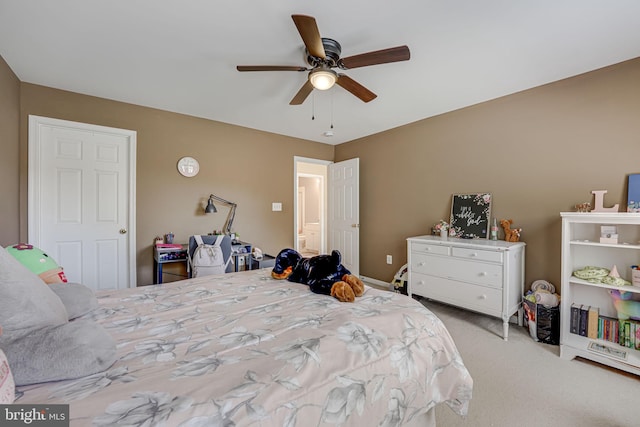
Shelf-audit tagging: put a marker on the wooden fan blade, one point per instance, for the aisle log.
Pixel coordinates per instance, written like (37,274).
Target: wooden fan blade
(310,35)
(393,54)
(269,68)
(302,94)
(355,88)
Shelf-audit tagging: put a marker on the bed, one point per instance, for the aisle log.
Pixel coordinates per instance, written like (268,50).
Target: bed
(244,349)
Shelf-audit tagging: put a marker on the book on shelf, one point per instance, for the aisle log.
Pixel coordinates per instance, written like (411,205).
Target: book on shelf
(608,329)
(592,322)
(584,319)
(574,323)
(629,333)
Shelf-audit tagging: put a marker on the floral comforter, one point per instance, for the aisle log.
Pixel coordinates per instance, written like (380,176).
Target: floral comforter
(244,349)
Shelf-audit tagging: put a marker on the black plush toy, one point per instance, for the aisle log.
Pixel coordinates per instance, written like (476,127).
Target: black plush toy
(324,274)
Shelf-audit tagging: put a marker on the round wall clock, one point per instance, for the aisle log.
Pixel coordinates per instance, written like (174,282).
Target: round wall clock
(188,166)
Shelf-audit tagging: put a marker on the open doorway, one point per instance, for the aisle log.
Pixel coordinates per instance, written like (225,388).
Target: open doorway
(310,192)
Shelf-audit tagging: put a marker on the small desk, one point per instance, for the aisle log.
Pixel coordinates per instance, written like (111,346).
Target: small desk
(164,256)
(240,252)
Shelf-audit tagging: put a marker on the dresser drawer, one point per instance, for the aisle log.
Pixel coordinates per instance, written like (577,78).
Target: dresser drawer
(474,297)
(427,248)
(477,254)
(481,273)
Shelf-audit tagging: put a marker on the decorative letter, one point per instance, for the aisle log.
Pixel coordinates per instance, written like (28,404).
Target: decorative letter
(598,205)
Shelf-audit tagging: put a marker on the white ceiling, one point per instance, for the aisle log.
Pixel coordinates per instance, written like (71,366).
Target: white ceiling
(181,55)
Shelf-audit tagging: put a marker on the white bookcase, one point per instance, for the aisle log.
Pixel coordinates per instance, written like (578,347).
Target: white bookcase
(581,247)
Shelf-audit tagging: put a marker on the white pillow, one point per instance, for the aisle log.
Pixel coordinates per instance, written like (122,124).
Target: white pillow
(78,299)
(26,302)
(38,340)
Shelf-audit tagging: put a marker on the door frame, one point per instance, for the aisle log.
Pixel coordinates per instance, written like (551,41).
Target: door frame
(34,190)
(323,223)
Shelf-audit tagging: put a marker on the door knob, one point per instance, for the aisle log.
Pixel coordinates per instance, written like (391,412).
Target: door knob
(123,231)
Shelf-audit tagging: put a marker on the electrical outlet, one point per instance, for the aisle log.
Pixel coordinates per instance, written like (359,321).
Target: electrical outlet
(389,259)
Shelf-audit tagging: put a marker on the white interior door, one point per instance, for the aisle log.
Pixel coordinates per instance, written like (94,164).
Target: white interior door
(344,212)
(82,200)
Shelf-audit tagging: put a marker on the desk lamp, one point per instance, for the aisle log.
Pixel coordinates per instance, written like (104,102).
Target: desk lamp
(211,208)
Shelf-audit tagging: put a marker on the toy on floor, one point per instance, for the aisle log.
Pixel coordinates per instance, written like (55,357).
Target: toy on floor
(510,235)
(37,261)
(324,274)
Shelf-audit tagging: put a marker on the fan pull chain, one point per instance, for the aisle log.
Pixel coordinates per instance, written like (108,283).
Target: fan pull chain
(332,109)
(313,106)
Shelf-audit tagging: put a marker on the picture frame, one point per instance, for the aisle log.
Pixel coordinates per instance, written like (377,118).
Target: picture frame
(633,193)
(470,215)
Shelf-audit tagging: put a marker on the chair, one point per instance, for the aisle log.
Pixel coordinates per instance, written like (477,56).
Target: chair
(210,239)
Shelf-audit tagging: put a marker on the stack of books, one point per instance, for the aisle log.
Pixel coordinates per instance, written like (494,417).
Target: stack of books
(169,245)
(587,322)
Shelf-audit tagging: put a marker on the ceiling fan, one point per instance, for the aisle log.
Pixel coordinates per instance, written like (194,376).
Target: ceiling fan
(323,54)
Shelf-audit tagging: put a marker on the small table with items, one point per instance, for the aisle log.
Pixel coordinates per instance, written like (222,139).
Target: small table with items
(164,255)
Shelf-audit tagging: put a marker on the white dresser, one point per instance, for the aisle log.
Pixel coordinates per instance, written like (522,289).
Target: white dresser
(486,276)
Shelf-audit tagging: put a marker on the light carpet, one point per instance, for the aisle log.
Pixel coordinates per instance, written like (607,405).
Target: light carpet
(520,382)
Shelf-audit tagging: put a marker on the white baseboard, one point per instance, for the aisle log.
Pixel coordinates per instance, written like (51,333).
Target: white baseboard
(376,283)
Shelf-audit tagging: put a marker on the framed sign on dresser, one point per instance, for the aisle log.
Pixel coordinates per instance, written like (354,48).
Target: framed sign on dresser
(486,276)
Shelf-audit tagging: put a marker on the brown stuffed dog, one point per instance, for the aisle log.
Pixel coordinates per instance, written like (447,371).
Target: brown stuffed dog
(324,274)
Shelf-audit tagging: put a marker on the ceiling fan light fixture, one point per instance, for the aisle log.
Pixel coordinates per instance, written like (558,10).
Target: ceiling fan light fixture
(323,78)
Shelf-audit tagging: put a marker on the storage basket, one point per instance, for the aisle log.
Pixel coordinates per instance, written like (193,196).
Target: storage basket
(545,321)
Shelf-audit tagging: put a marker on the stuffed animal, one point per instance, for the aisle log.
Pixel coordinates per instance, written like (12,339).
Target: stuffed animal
(38,262)
(625,306)
(324,274)
(510,235)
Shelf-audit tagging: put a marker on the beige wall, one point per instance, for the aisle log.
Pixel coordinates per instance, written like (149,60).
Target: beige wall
(9,168)
(539,152)
(248,167)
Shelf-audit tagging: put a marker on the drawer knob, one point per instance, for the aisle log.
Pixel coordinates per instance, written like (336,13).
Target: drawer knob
(484,273)
(421,282)
(420,264)
(483,296)
(474,254)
